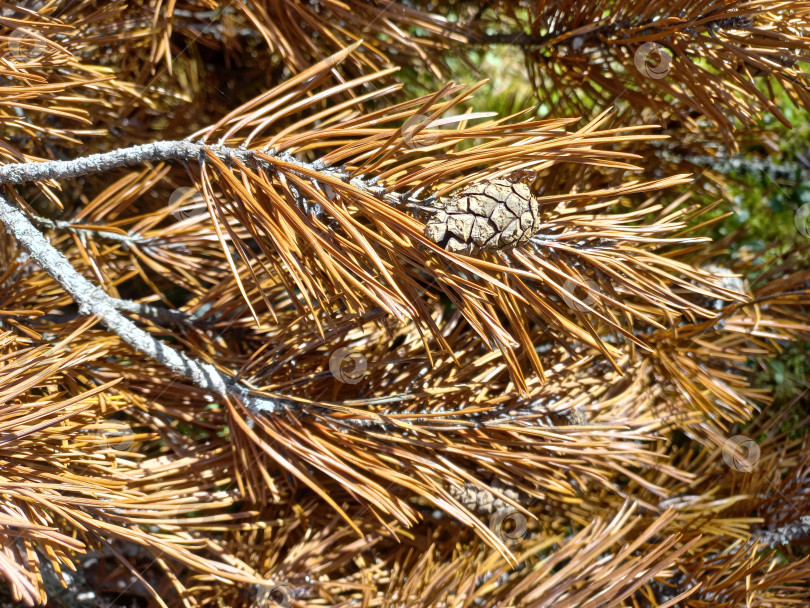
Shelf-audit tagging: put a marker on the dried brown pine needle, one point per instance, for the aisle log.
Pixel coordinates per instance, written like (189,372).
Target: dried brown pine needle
(573,414)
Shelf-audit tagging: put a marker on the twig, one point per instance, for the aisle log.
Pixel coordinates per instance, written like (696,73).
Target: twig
(144,310)
(20,173)
(126,239)
(155,312)
(163,151)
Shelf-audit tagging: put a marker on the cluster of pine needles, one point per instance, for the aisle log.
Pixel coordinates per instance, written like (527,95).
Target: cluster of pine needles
(234,370)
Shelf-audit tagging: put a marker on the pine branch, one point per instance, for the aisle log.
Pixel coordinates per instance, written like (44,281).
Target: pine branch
(154,312)
(721,62)
(19,173)
(583,239)
(158,313)
(160,151)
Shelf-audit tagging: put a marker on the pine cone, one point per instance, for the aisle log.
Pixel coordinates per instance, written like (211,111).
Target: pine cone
(488,216)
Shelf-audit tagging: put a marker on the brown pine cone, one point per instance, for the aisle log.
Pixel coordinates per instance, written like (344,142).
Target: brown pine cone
(488,216)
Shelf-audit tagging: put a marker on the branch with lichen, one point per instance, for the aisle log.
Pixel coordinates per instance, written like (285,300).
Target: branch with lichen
(184,151)
(161,151)
(177,151)
(125,239)
(157,313)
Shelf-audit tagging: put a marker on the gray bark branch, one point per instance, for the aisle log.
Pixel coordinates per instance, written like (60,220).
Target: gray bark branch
(163,151)
(20,173)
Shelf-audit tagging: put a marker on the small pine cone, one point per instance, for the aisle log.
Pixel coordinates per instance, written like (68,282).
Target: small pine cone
(488,216)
